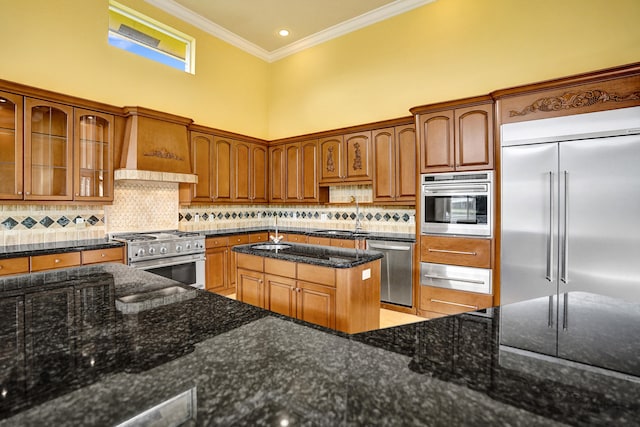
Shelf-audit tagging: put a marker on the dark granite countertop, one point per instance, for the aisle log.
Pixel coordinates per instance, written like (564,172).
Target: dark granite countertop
(14,251)
(325,256)
(73,355)
(342,234)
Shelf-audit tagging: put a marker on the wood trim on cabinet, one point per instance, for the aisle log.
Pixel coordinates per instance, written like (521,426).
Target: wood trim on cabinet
(448,301)
(14,266)
(470,252)
(317,274)
(53,261)
(96,256)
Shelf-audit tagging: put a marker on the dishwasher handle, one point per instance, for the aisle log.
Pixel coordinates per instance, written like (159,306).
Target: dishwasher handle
(389,247)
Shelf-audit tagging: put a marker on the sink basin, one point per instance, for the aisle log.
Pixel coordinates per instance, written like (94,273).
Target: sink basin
(341,232)
(271,247)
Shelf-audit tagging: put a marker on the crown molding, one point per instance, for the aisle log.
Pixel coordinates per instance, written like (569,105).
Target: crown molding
(345,27)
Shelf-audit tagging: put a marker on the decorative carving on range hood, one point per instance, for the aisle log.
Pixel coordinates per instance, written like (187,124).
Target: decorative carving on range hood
(156,147)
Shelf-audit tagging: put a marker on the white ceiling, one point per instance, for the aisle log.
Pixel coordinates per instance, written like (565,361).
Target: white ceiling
(253,25)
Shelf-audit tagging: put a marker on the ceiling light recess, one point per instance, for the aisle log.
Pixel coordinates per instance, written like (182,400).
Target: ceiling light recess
(283,32)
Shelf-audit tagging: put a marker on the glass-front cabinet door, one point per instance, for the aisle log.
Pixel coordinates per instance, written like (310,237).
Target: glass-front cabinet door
(93,155)
(10,146)
(48,151)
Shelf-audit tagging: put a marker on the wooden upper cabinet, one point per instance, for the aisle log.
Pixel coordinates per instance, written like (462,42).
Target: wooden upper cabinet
(277,174)
(201,159)
(241,171)
(93,172)
(48,151)
(259,178)
(222,176)
(293,169)
(309,171)
(456,139)
(394,164)
(11,146)
(474,137)
(346,158)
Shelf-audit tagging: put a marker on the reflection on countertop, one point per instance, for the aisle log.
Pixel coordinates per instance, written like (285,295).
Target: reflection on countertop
(71,358)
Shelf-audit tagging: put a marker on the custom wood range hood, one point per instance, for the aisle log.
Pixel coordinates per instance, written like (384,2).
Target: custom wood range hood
(156,147)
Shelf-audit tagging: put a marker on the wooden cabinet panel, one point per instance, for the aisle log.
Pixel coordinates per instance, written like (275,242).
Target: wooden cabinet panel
(216,242)
(394,164)
(280,268)
(357,153)
(280,295)
(222,177)
(216,269)
(259,179)
(463,251)
(11,146)
(474,137)
(103,255)
(317,274)
(250,262)
(201,157)
(437,140)
(50,262)
(48,151)
(93,167)
(331,159)
(344,243)
(448,301)
(14,266)
(309,171)
(296,238)
(457,139)
(250,287)
(293,168)
(241,171)
(258,237)
(316,304)
(239,239)
(277,174)
(325,241)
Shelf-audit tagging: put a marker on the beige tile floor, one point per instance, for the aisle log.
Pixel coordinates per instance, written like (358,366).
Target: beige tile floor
(388,318)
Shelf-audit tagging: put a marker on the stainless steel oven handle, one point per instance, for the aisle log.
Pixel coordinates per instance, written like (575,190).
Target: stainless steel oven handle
(456,189)
(550,233)
(167,262)
(391,247)
(457,279)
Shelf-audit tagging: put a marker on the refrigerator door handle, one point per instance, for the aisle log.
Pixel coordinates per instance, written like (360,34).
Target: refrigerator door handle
(550,323)
(565,314)
(565,256)
(549,275)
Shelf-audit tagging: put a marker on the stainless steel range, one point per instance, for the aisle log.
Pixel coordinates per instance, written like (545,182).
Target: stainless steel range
(177,255)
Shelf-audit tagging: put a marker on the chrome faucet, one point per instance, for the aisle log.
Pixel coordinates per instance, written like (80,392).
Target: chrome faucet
(358,223)
(276,239)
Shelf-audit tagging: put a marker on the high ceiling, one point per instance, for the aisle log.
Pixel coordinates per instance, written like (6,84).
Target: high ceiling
(253,25)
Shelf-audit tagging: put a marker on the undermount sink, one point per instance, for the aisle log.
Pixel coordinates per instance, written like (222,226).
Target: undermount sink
(271,247)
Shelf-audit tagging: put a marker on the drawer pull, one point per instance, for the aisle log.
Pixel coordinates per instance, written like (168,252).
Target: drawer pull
(475,307)
(102,255)
(56,260)
(457,279)
(445,251)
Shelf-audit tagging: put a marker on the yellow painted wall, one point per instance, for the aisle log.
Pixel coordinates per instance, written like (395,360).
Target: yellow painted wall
(447,50)
(61,45)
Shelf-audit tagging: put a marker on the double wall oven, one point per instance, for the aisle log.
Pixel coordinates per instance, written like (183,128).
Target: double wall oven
(456,204)
(176,255)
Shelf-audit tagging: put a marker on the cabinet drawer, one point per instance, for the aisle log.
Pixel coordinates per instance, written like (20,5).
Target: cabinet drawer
(250,262)
(456,251)
(452,302)
(324,241)
(14,266)
(317,274)
(258,237)
(103,255)
(49,262)
(216,242)
(279,267)
(239,239)
(343,243)
(297,238)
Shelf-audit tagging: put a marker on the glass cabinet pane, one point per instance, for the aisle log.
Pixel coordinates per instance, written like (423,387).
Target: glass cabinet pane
(93,150)
(49,150)
(10,146)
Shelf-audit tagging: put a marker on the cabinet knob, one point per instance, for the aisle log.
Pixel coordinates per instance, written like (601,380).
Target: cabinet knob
(102,255)
(260,281)
(27,193)
(77,194)
(19,192)
(56,260)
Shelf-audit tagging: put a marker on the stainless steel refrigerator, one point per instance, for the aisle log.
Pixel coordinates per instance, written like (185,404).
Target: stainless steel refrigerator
(570,225)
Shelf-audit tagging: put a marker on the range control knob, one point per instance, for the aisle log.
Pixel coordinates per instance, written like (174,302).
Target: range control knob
(140,252)
(152,251)
(187,245)
(178,248)
(163,250)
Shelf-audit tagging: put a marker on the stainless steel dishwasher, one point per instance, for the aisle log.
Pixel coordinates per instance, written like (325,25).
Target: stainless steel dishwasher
(396,279)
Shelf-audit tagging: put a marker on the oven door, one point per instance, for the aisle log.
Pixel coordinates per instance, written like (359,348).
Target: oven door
(186,269)
(456,209)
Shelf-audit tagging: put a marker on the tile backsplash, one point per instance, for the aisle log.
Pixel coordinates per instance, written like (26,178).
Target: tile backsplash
(33,224)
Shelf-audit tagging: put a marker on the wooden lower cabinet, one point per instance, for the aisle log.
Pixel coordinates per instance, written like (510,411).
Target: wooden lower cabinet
(334,298)
(465,251)
(14,266)
(250,287)
(217,270)
(53,261)
(103,255)
(435,302)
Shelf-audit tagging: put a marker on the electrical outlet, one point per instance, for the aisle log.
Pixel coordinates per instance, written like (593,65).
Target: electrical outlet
(366,274)
(323,217)
(196,218)
(80,222)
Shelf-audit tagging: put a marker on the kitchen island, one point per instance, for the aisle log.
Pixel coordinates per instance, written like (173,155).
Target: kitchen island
(331,287)
(100,345)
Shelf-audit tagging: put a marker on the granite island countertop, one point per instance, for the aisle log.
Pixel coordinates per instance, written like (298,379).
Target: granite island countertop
(324,256)
(342,234)
(14,251)
(72,357)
